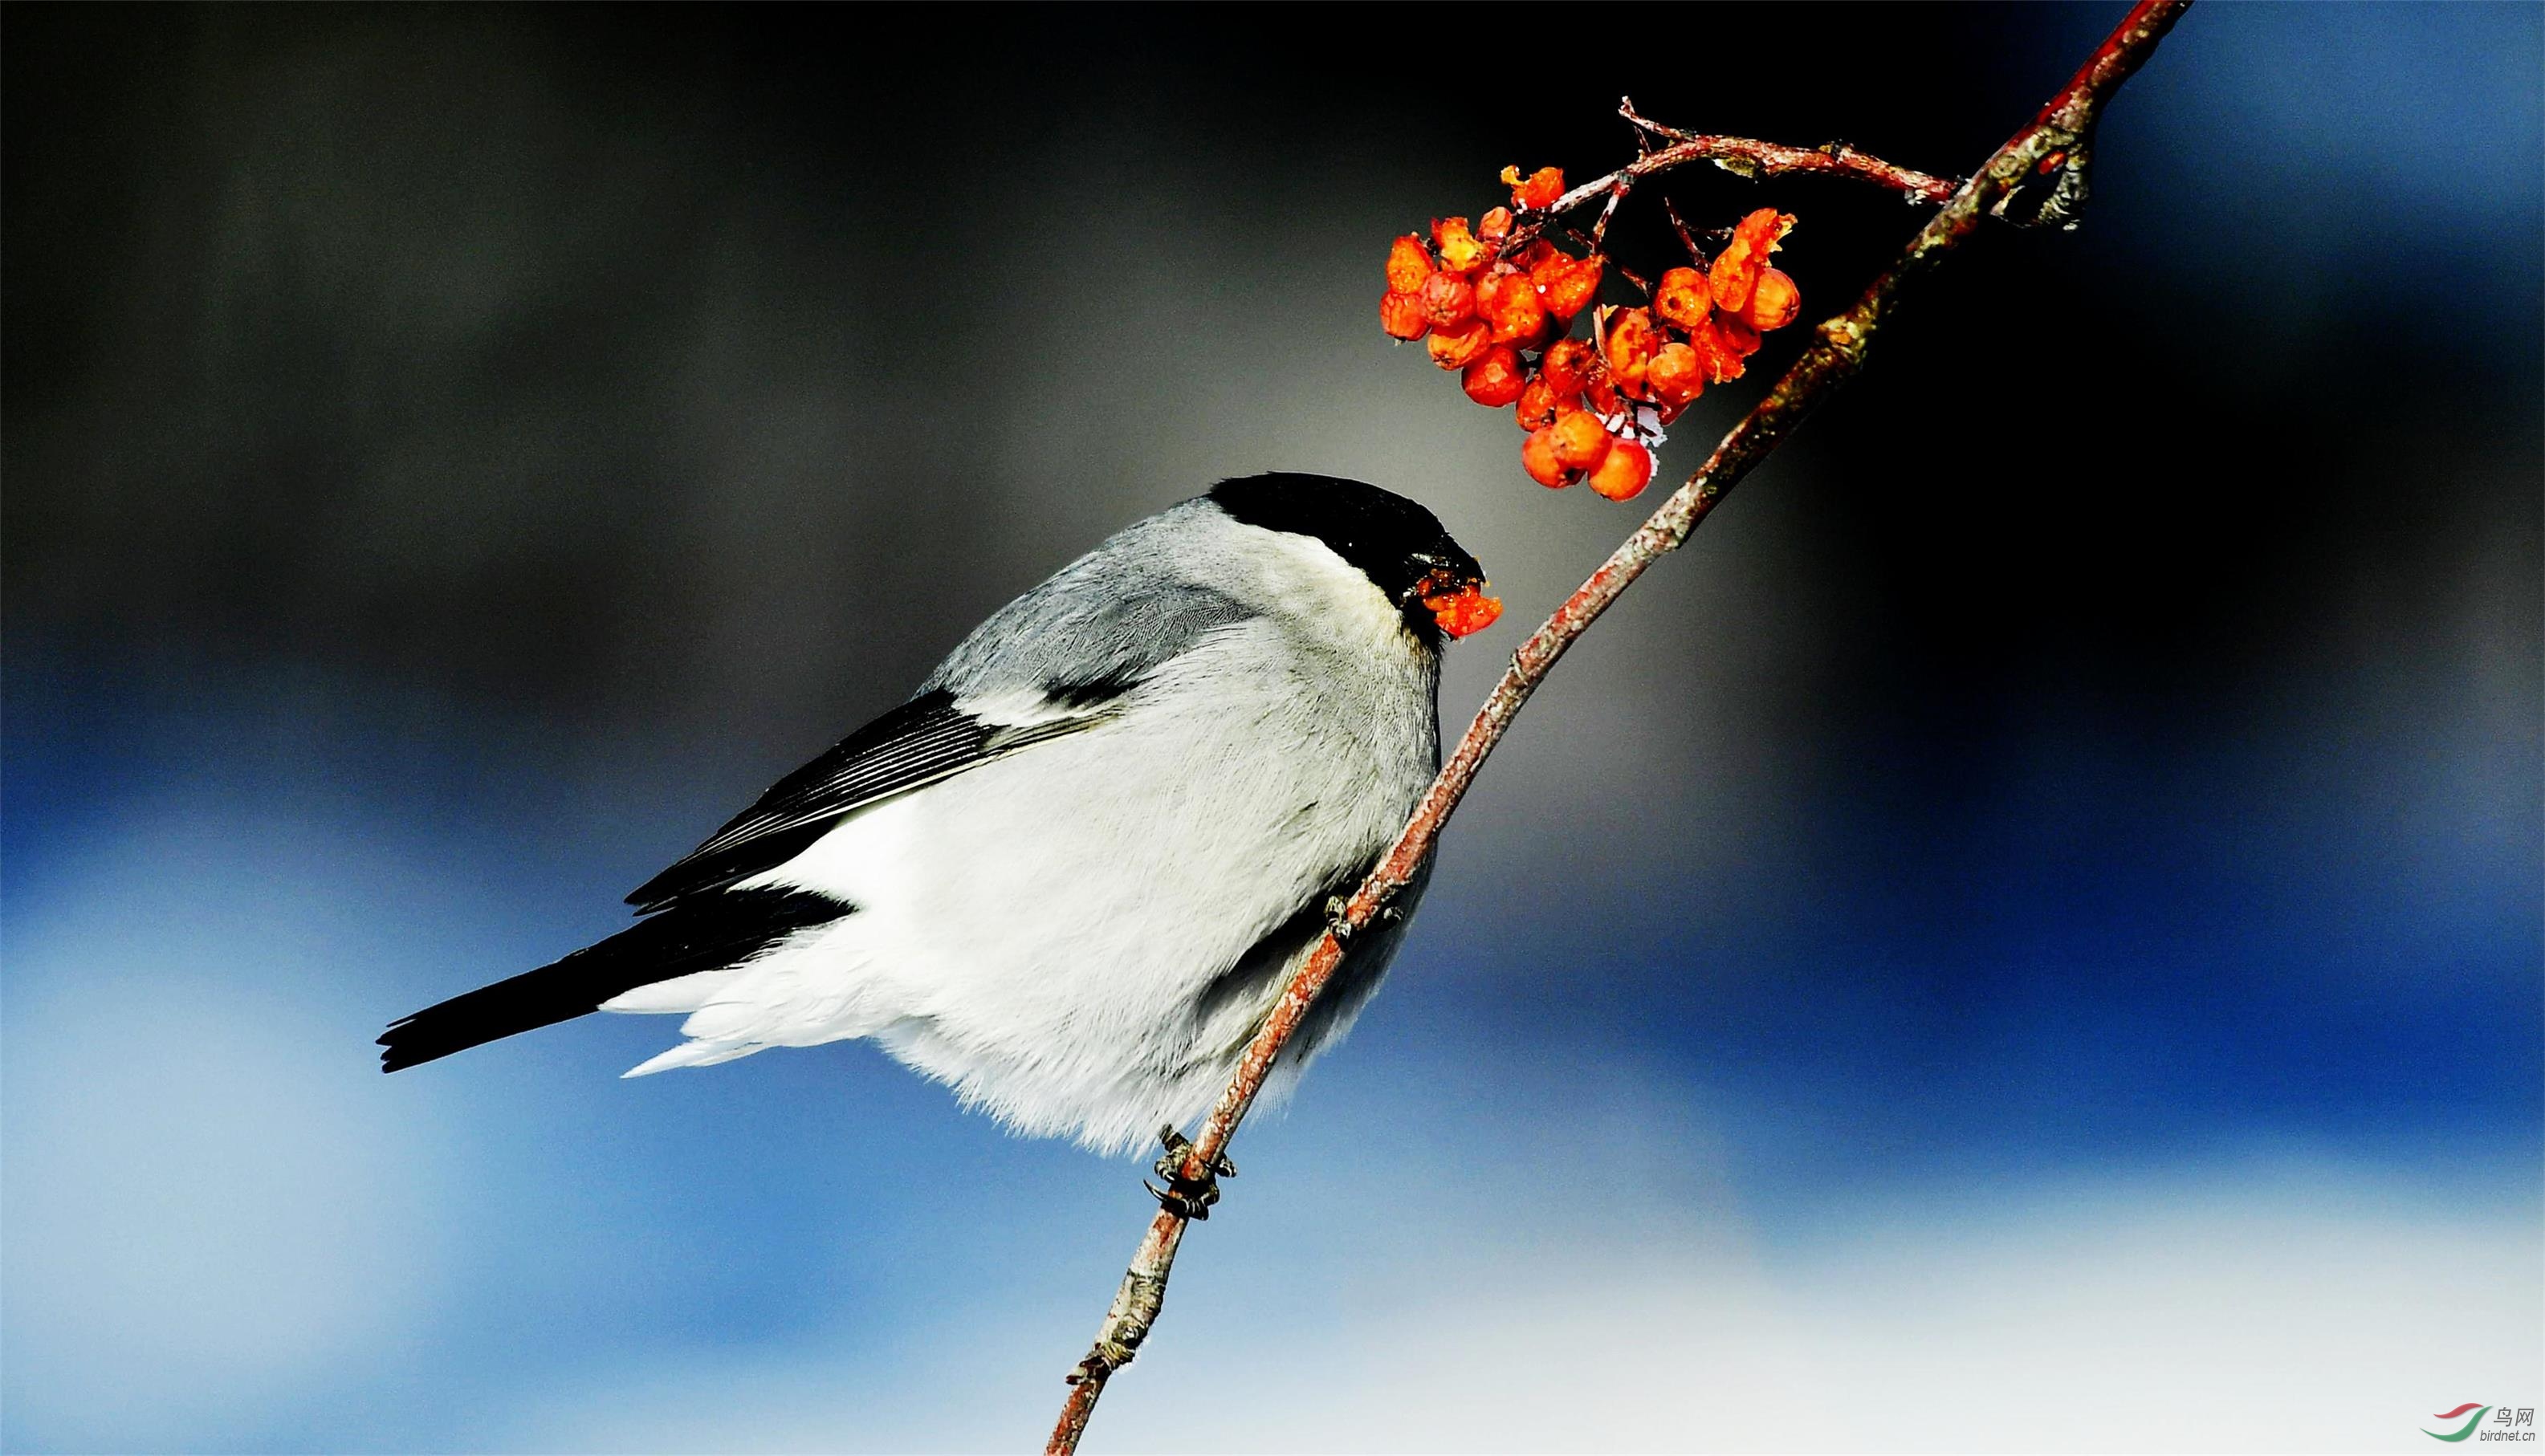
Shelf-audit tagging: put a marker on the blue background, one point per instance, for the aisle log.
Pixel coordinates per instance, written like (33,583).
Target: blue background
(2025,935)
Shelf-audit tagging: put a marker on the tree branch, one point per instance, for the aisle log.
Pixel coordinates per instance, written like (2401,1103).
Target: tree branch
(2046,159)
(1741,155)
(1747,157)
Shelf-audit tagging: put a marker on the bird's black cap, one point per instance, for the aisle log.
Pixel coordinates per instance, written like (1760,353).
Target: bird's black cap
(1388,539)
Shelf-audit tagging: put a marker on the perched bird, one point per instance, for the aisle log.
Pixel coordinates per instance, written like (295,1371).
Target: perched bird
(1070,876)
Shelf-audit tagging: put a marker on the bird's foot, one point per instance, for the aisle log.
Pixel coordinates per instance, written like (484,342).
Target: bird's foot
(1339,917)
(1189,1199)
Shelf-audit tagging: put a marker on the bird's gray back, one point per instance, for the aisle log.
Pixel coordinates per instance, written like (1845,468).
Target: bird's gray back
(1107,620)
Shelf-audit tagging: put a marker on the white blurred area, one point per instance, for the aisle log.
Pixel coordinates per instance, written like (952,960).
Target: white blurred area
(2289,1306)
(201,1227)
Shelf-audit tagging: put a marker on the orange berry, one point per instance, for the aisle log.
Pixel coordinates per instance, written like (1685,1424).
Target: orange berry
(1684,297)
(1730,279)
(1459,251)
(1540,403)
(1737,334)
(1537,456)
(1567,364)
(1774,300)
(1539,251)
(1569,291)
(1540,189)
(1765,230)
(1676,375)
(1721,359)
(1447,299)
(1515,310)
(1549,329)
(1457,345)
(1736,268)
(1401,314)
(1494,225)
(1623,472)
(1580,442)
(1496,378)
(1631,341)
(1465,613)
(1409,263)
(1601,395)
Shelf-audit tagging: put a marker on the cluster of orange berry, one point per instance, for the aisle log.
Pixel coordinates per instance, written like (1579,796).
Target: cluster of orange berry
(1502,317)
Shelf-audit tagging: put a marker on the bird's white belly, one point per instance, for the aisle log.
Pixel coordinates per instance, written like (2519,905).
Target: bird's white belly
(1004,935)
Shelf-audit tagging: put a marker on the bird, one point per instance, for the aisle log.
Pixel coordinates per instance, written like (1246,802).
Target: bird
(1070,876)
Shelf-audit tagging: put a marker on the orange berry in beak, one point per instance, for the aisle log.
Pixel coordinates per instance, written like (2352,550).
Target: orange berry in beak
(1465,611)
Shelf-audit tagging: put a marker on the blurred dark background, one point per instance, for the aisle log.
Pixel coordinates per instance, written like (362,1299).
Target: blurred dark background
(2025,935)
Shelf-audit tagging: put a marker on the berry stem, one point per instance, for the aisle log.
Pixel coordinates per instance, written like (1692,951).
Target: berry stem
(1616,195)
(1687,239)
(2056,136)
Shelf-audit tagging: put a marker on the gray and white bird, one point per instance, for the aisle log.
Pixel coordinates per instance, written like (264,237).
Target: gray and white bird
(1070,876)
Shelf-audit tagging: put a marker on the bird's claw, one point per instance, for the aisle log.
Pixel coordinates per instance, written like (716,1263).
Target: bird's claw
(1339,917)
(1187,1198)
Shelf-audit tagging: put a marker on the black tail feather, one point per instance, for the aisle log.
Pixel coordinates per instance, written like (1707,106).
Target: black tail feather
(701,933)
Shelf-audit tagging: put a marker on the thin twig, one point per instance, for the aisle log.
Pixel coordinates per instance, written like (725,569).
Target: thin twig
(1687,239)
(1743,155)
(1751,157)
(2054,143)
(1616,195)
(1589,247)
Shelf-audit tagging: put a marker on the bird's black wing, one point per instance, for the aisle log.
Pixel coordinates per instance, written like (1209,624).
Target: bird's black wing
(704,933)
(926,739)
